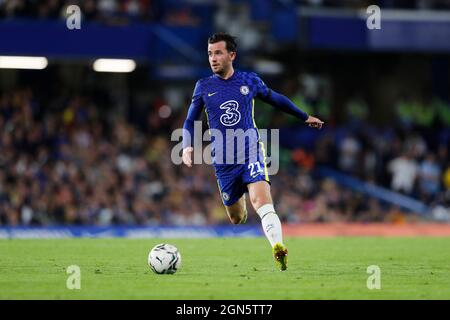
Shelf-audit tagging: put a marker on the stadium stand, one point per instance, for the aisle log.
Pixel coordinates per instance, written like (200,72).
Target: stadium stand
(77,153)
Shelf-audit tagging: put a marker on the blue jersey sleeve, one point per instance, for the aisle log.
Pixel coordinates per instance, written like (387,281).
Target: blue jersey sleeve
(262,91)
(277,100)
(193,114)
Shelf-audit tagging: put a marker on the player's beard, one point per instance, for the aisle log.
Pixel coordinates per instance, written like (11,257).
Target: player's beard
(221,71)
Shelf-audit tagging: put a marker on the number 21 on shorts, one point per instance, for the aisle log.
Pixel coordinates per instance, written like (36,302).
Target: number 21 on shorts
(255,165)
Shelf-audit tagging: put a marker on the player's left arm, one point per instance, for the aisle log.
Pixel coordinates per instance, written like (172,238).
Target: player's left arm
(283,103)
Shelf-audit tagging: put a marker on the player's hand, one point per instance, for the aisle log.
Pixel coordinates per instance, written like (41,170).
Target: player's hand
(314,122)
(187,156)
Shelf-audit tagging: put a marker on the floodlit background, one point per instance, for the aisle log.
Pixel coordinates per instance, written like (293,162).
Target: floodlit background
(86,141)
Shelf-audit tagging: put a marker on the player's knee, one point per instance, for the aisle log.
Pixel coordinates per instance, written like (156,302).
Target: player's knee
(235,219)
(257,200)
(238,218)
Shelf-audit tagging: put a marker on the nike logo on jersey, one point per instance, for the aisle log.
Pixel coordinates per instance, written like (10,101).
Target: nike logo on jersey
(211,94)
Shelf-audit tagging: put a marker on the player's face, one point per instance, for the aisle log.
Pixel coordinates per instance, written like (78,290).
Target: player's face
(220,59)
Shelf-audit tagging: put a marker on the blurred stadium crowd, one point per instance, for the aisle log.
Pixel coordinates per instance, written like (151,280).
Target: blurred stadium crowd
(64,162)
(180,12)
(108,11)
(65,158)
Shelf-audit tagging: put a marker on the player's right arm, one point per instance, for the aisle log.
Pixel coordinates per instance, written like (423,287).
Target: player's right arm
(194,112)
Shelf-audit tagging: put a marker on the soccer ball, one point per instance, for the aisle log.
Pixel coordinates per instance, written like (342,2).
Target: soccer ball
(164,259)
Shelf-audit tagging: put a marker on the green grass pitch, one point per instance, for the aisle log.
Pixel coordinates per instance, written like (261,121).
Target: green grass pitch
(227,268)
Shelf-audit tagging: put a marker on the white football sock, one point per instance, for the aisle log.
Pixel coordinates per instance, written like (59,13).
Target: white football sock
(271,224)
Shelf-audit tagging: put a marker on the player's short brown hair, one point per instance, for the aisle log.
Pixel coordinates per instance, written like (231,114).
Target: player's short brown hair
(230,41)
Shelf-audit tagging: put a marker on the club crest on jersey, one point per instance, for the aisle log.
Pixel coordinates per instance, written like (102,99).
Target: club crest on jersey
(244,90)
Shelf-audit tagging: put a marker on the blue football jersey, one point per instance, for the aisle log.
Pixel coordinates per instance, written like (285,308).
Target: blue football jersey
(229,104)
